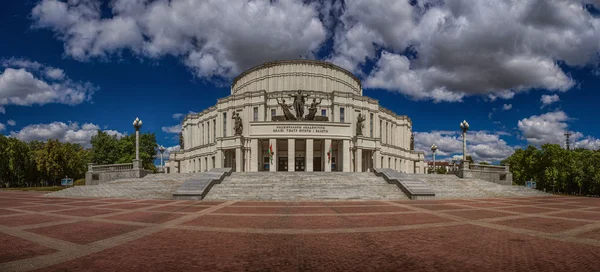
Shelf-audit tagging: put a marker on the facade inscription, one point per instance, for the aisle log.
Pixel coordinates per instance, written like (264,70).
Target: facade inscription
(300,129)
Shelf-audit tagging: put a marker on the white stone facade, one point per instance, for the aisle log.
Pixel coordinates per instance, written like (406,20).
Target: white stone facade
(209,138)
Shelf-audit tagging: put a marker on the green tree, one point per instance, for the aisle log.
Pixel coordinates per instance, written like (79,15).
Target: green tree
(105,148)
(442,171)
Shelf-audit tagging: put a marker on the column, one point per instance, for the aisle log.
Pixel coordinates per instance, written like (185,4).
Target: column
(309,155)
(326,159)
(273,160)
(219,159)
(254,160)
(346,155)
(358,159)
(291,155)
(238,159)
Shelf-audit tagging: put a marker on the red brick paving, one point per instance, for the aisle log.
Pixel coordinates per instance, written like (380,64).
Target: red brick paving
(14,248)
(146,217)
(438,207)
(594,234)
(529,210)
(180,208)
(5,212)
(579,215)
(541,224)
(277,210)
(126,206)
(307,236)
(478,214)
(28,219)
(44,208)
(84,232)
(87,212)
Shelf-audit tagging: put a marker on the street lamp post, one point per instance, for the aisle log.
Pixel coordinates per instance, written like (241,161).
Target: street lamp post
(162,165)
(137,124)
(433,149)
(464,126)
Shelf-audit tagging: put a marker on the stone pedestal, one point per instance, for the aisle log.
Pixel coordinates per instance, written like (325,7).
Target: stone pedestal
(137,164)
(465,171)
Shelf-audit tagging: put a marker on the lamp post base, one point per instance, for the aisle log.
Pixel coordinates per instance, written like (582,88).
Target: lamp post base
(137,164)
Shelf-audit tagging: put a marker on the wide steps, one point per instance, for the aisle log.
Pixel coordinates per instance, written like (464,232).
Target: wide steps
(304,186)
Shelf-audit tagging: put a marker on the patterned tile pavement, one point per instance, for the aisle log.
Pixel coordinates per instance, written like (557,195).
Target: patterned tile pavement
(549,233)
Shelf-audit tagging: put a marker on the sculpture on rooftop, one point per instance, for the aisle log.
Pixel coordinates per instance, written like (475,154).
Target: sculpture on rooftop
(299,101)
(286,110)
(312,110)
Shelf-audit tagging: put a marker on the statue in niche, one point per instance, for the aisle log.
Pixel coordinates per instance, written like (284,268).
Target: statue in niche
(181,141)
(412,142)
(237,126)
(286,110)
(312,110)
(299,100)
(359,125)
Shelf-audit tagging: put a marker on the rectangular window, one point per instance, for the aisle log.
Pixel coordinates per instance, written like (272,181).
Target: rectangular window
(255,111)
(208,132)
(323,112)
(342,115)
(387,132)
(215,130)
(371,124)
(203,135)
(224,124)
(273,112)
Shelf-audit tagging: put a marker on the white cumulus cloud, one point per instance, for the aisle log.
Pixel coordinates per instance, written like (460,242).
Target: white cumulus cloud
(507,107)
(172,129)
(70,132)
(27,83)
(444,50)
(11,122)
(212,38)
(481,145)
(549,99)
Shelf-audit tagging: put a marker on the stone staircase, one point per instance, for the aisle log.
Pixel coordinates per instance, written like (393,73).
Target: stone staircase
(152,186)
(451,186)
(294,186)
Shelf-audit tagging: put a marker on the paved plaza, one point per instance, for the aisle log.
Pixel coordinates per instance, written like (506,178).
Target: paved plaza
(547,233)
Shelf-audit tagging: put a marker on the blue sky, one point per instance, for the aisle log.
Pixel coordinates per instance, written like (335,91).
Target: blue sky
(70,68)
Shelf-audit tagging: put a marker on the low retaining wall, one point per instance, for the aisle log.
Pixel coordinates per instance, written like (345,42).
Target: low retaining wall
(496,174)
(100,174)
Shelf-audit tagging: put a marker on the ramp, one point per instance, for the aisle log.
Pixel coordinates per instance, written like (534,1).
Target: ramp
(196,188)
(413,188)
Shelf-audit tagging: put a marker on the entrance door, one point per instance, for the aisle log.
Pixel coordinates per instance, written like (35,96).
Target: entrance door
(299,165)
(282,164)
(317,164)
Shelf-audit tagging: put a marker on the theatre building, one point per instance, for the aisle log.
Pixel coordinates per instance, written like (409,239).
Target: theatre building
(296,115)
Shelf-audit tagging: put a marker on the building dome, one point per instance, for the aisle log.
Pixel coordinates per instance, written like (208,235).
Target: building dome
(290,75)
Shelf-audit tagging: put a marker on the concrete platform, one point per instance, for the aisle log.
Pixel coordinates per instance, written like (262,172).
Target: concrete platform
(547,233)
